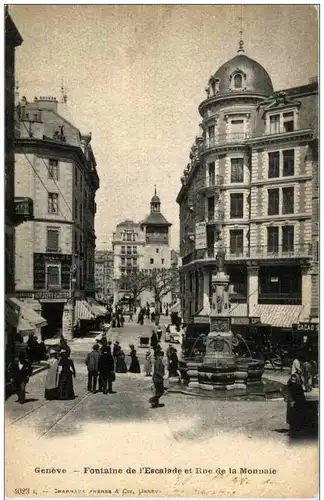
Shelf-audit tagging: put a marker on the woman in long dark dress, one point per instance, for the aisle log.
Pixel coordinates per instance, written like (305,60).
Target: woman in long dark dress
(154,339)
(121,366)
(134,365)
(67,370)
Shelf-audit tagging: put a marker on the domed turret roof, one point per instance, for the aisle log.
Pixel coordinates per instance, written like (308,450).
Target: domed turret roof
(255,77)
(155,199)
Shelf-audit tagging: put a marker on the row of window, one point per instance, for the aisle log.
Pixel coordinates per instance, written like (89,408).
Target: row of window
(278,197)
(128,250)
(126,236)
(273,239)
(280,164)
(53,205)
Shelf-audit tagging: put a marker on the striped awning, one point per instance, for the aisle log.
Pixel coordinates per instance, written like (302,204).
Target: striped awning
(82,311)
(28,314)
(97,309)
(176,307)
(238,310)
(13,318)
(278,315)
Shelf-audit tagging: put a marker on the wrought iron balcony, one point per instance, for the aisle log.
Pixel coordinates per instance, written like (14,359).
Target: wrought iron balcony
(223,139)
(215,217)
(237,253)
(300,251)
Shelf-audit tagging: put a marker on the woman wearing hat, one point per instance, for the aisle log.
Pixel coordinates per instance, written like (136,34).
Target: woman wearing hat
(52,377)
(148,363)
(67,370)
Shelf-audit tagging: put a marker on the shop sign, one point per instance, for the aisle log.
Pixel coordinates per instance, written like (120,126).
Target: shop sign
(200,236)
(306,327)
(24,295)
(201,319)
(51,295)
(24,207)
(240,321)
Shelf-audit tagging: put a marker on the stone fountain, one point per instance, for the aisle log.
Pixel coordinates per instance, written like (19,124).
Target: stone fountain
(220,369)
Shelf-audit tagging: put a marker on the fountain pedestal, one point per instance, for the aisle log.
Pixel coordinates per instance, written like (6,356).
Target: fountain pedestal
(218,368)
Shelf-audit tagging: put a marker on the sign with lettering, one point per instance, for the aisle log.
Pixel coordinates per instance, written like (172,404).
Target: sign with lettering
(40,261)
(200,236)
(306,327)
(240,321)
(23,207)
(51,295)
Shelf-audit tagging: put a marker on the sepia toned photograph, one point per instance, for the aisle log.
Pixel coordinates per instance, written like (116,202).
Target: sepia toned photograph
(161,297)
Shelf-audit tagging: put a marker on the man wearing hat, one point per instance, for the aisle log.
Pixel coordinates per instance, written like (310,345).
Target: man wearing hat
(158,379)
(91,361)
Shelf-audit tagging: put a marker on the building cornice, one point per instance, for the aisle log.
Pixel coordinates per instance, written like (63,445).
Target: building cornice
(270,219)
(225,97)
(282,180)
(304,135)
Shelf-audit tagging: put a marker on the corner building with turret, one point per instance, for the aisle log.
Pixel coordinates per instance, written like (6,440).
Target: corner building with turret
(251,187)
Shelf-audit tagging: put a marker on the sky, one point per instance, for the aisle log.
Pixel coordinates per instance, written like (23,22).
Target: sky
(135,76)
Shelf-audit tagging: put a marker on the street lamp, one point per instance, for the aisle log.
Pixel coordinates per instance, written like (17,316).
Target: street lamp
(72,280)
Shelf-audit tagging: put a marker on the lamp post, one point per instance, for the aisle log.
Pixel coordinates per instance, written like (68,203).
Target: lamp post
(73,269)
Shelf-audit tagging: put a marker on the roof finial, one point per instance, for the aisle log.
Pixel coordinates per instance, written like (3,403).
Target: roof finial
(241,42)
(154,189)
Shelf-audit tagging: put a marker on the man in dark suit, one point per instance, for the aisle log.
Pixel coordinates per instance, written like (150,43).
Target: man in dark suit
(106,370)
(20,370)
(158,379)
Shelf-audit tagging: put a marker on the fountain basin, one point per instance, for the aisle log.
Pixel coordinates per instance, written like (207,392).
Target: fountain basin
(244,372)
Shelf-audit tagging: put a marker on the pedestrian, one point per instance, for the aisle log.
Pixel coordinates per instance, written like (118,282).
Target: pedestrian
(131,315)
(67,371)
(122,320)
(134,366)
(148,363)
(64,345)
(116,349)
(91,361)
(154,339)
(121,366)
(158,380)
(296,368)
(159,332)
(20,370)
(106,371)
(296,404)
(52,377)
(174,364)
(307,375)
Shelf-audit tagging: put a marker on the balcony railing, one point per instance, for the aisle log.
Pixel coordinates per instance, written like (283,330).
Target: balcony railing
(222,139)
(215,217)
(281,251)
(265,252)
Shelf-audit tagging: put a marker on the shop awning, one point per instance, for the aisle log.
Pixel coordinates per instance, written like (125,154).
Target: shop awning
(278,315)
(97,309)
(176,307)
(12,316)
(28,314)
(82,311)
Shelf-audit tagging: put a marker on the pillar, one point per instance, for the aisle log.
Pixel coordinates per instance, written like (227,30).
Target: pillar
(206,304)
(252,288)
(306,293)
(67,320)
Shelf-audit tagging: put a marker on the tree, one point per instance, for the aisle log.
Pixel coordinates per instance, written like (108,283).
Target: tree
(135,283)
(161,282)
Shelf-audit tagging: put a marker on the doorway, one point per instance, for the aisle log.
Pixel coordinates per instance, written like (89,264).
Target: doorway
(53,313)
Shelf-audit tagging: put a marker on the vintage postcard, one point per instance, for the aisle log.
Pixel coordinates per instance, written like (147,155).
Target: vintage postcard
(161,251)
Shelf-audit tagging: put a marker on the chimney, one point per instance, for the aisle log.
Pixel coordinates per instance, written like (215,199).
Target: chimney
(49,103)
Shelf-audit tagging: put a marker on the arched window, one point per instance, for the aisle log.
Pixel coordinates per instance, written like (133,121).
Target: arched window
(238,81)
